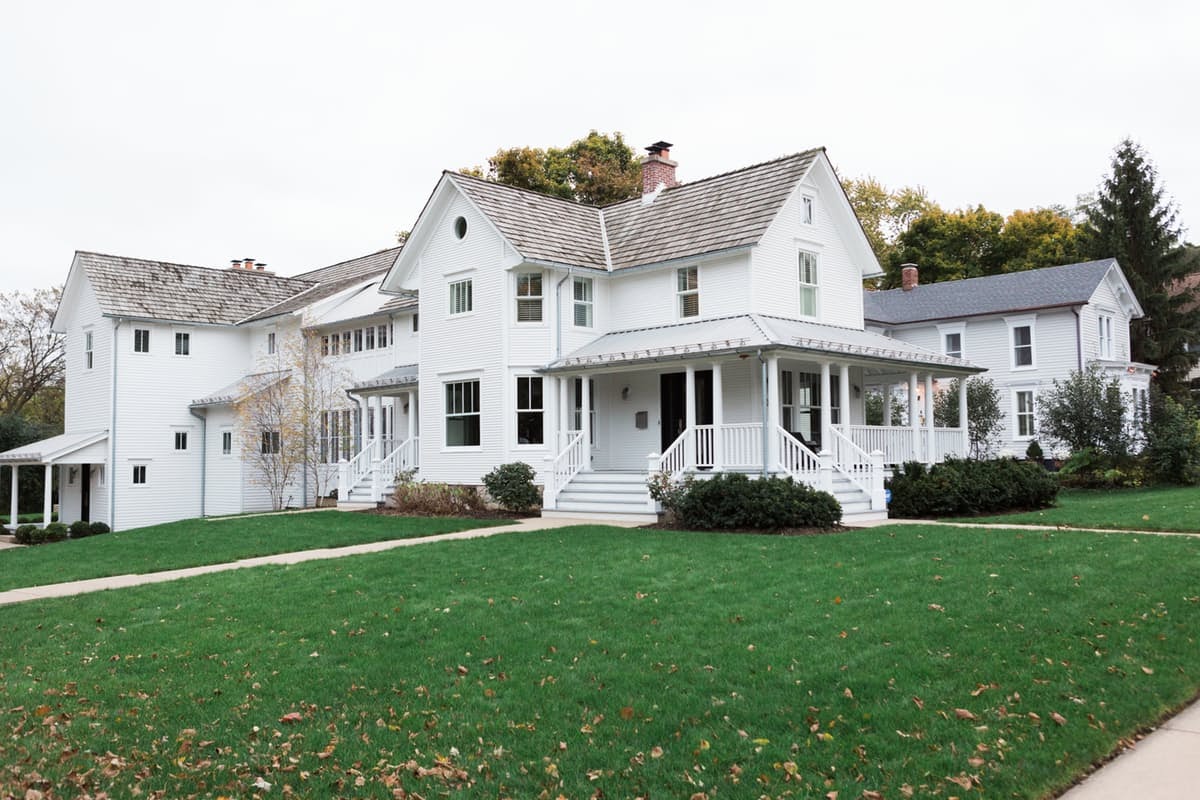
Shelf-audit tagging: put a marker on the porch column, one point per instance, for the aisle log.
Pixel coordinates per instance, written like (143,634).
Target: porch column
(963,422)
(12,503)
(887,405)
(46,492)
(411,396)
(773,413)
(826,405)
(914,417)
(364,410)
(689,416)
(844,396)
(564,414)
(718,417)
(375,407)
(929,454)
(585,419)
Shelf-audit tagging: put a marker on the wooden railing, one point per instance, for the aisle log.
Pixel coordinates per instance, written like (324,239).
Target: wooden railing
(741,445)
(947,443)
(404,457)
(357,468)
(850,460)
(704,442)
(674,459)
(796,459)
(561,468)
(894,442)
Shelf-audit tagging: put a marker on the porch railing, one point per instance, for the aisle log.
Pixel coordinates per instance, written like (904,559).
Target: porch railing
(704,440)
(404,457)
(674,459)
(947,443)
(356,469)
(796,459)
(898,444)
(850,460)
(561,468)
(741,445)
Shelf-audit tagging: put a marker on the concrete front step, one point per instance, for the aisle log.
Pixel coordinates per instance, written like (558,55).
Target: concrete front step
(601,517)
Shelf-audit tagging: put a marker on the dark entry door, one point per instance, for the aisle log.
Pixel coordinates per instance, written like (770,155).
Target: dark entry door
(673,394)
(85,492)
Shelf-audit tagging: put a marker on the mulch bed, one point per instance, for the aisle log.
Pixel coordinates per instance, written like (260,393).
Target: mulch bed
(385,511)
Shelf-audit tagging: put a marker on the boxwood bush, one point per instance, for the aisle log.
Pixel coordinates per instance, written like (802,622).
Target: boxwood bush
(511,485)
(97,528)
(732,501)
(962,487)
(80,529)
(25,533)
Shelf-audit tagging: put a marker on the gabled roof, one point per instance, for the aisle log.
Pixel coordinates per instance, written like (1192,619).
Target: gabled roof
(331,280)
(53,449)
(1051,287)
(715,214)
(749,333)
(243,387)
(135,287)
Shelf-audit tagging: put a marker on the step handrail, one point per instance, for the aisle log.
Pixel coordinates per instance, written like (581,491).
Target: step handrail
(673,460)
(851,461)
(795,458)
(562,468)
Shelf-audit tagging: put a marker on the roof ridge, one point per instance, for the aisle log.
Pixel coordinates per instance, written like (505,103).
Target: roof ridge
(508,186)
(257,273)
(347,261)
(961,281)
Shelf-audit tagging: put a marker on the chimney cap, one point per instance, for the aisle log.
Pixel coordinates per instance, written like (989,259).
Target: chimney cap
(658,147)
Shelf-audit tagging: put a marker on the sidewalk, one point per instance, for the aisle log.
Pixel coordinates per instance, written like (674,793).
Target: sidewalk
(122,581)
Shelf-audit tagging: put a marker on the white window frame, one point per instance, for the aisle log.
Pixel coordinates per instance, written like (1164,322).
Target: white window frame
(181,437)
(227,442)
(270,442)
(1014,323)
(271,343)
(1105,344)
(347,337)
(523,404)
(529,300)
(416,323)
(586,304)
(141,336)
(787,400)
(369,337)
(145,475)
(1017,414)
(684,290)
(462,410)
(812,286)
(808,209)
(89,349)
(959,329)
(381,336)
(184,338)
(461,294)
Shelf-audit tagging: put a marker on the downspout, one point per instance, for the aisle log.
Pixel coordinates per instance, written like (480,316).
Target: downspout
(765,434)
(203,453)
(558,314)
(1078,335)
(358,415)
(112,434)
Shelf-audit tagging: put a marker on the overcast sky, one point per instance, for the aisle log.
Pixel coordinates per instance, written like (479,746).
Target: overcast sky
(303,134)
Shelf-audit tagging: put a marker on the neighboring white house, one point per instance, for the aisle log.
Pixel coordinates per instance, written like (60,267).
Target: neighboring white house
(1027,328)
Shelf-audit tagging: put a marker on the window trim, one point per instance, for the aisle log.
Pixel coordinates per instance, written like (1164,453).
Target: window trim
(540,297)
(369,337)
(589,304)
(1103,317)
(226,442)
(518,410)
(145,475)
(181,437)
(680,294)
(814,285)
(447,414)
(89,349)
(950,329)
(186,338)
(144,338)
(1026,321)
(1017,391)
(270,443)
(271,343)
(468,299)
(808,209)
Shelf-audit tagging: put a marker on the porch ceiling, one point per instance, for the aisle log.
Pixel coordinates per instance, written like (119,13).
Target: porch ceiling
(748,333)
(397,377)
(64,448)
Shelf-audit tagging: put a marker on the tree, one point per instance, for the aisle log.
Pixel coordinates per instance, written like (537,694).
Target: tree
(1039,237)
(598,169)
(16,430)
(1172,449)
(873,408)
(884,213)
(1133,222)
(31,355)
(1086,411)
(949,245)
(985,419)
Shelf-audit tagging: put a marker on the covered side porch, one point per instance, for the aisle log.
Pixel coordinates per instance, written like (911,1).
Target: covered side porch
(79,459)
(758,395)
(383,441)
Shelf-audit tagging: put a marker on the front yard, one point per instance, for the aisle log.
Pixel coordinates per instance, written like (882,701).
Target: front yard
(1152,509)
(597,662)
(196,542)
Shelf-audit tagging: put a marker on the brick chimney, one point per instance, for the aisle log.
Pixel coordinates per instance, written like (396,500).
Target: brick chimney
(908,277)
(658,169)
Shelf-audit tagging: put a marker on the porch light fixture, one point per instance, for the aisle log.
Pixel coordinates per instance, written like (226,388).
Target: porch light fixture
(624,392)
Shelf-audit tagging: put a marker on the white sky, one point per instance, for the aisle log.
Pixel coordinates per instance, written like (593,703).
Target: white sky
(304,133)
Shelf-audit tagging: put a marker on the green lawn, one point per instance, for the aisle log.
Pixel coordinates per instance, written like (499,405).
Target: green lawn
(194,542)
(592,661)
(1157,509)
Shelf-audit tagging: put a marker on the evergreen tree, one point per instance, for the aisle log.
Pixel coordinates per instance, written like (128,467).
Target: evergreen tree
(1132,222)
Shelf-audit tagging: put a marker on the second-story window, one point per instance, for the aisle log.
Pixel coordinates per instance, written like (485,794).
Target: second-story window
(358,340)
(529,297)
(1106,337)
(1022,340)
(583,289)
(183,344)
(181,440)
(461,300)
(369,338)
(324,345)
(88,354)
(271,343)
(141,340)
(383,335)
(270,442)
(808,210)
(952,343)
(687,290)
(808,284)
(346,342)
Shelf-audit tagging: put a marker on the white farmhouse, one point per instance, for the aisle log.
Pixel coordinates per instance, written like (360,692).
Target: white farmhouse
(1028,329)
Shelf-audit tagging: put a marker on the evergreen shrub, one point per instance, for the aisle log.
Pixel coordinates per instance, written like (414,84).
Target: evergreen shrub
(511,485)
(963,487)
(732,501)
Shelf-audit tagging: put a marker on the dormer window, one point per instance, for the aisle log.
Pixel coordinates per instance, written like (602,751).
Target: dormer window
(808,213)
(529,297)
(808,284)
(687,290)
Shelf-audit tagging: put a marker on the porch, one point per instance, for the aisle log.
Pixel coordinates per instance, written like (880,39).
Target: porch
(79,459)
(379,440)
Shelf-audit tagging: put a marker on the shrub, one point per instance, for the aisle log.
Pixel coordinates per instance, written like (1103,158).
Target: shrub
(961,487)
(55,532)
(732,501)
(98,528)
(511,485)
(437,499)
(1090,469)
(80,529)
(1172,451)
(1087,410)
(25,533)
(983,410)
(1034,452)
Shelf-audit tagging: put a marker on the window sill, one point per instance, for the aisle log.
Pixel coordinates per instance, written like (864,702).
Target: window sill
(1028,368)
(461,315)
(466,448)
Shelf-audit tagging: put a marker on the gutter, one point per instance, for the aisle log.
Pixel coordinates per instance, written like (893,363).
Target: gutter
(203,453)
(112,432)
(558,315)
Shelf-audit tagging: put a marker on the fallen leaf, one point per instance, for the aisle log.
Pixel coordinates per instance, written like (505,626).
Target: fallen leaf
(291,718)
(935,607)
(848,694)
(627,712)
(963,713)
(656,752)
(1057,717)
(919,703)
(259,783)
(831,795)
(961,780)
(1147,670)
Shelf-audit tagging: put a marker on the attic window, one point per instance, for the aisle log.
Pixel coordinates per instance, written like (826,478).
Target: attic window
(460,227)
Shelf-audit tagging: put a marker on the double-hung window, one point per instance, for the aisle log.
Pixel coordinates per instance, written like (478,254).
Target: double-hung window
(1022,346)
(383,336)
(529,411)
(369,336)
(460,297)
(808,283)
(270,442)
(529,297)
(787,399)
(226,443)
(583,289)
(1106,336)
(687,289)
(346,342)
(358,340)
(1023,400)
(183,344)
(141,340)
(139,473)
(181,440)
(462,414)
(88,352)
(271,343)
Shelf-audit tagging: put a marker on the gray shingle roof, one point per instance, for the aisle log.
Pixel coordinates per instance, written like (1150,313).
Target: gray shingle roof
(243,388)
(406,375)
(1068,285)
(331,280)
(706,216)
(406,301)
(135,287)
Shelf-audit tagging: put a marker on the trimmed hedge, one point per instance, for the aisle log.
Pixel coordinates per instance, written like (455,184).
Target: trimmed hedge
(963,487)
(732,501)
(511,485)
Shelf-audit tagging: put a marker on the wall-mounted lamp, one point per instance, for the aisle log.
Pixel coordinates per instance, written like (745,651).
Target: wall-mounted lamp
(624,392)
(857,391)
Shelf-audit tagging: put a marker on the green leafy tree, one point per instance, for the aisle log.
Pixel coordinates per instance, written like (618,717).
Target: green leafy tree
(886,213)
(1086,411)
(16,430)
(949,245)
(597,169)
(1172,449)
(1039,237)
(1132,221)
(873,408)
(983,412)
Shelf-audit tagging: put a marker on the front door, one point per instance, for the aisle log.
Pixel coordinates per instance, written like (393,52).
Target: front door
(85,492)
(673,399)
